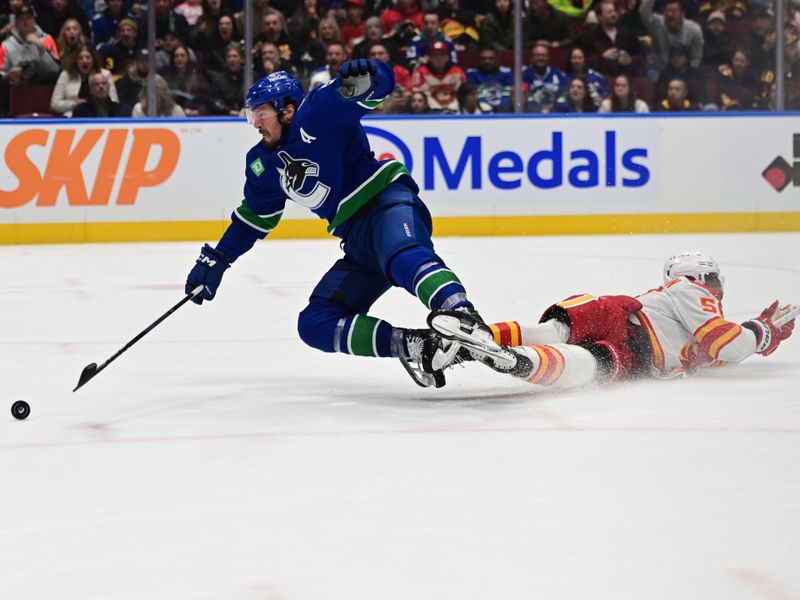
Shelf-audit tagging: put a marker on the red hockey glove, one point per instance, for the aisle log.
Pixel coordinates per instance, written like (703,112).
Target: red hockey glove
(694,358)
(768,335)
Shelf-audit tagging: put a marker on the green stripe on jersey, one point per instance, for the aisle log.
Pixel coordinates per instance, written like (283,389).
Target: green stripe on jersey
(362,336)
(350,204)
(371,104)
(433,282)
(264,223)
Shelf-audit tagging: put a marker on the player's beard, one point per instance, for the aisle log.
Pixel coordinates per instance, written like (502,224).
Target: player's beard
(264,132)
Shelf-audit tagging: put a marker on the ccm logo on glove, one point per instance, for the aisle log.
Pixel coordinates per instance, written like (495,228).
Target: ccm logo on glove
(208,270)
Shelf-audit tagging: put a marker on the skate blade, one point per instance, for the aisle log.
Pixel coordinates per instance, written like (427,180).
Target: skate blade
(421,378)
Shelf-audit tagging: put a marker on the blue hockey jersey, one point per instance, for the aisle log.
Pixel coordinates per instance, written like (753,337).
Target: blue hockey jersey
(323,162)
(493,88)
(543,90)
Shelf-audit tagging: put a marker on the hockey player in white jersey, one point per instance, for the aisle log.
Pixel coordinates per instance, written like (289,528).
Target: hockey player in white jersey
(669,331)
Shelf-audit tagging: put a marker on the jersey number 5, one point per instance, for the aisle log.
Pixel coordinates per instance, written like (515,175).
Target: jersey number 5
(709,305)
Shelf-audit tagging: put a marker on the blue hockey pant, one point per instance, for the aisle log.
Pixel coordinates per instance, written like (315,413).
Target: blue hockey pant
(389,245)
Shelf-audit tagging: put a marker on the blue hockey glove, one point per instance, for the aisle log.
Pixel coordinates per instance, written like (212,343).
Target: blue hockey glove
(207,271)
(358,67)
(357,77)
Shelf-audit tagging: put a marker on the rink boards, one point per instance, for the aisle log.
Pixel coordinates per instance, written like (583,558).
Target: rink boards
(139,180)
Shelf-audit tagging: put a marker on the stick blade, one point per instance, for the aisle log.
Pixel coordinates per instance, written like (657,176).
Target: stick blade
(88,372)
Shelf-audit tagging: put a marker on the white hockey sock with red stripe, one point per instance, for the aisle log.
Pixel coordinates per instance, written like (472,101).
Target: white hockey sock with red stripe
(512,333)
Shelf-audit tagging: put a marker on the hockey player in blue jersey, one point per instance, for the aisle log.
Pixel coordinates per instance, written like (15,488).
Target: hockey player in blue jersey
(315,152)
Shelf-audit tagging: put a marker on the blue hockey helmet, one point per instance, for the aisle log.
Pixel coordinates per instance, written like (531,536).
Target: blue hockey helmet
(273,89)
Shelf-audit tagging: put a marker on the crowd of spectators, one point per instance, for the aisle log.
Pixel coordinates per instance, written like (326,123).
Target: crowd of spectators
(450,56)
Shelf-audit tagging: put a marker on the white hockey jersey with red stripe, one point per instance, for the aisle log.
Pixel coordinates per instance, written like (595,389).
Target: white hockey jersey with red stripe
(683,320)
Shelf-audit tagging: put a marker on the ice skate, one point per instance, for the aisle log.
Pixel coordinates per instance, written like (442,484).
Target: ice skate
(428,356)
(468,329)
(522,366)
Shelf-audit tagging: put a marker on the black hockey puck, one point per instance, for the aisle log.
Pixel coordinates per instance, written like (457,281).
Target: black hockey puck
(20,409)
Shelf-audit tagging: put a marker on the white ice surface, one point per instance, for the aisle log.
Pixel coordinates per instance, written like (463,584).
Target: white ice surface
(220,458)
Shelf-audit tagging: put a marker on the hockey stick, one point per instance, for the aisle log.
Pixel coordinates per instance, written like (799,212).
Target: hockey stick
(789,312)
(92,369)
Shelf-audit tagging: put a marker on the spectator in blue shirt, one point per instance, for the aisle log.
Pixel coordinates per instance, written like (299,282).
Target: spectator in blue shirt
(494,82)
(545,82)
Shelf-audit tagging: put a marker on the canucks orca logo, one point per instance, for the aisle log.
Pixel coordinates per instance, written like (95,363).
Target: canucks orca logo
(297,175)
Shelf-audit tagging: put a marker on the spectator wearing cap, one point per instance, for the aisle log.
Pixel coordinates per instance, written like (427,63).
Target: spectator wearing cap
(28,55)
(100,102)
(717,43)
(54,13)
(669,30)
(678,67)
(734,9)
(439,79)
(104,25)
(354,26)
(419,47)
(72,86)
(612,48)
(402,77)
(402,11)
(335,56)
(738,83)
(122,51)
(497,27)
(677,99)
(165,105)
(130,84)
(493,81)
(545,83)
(546,25)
